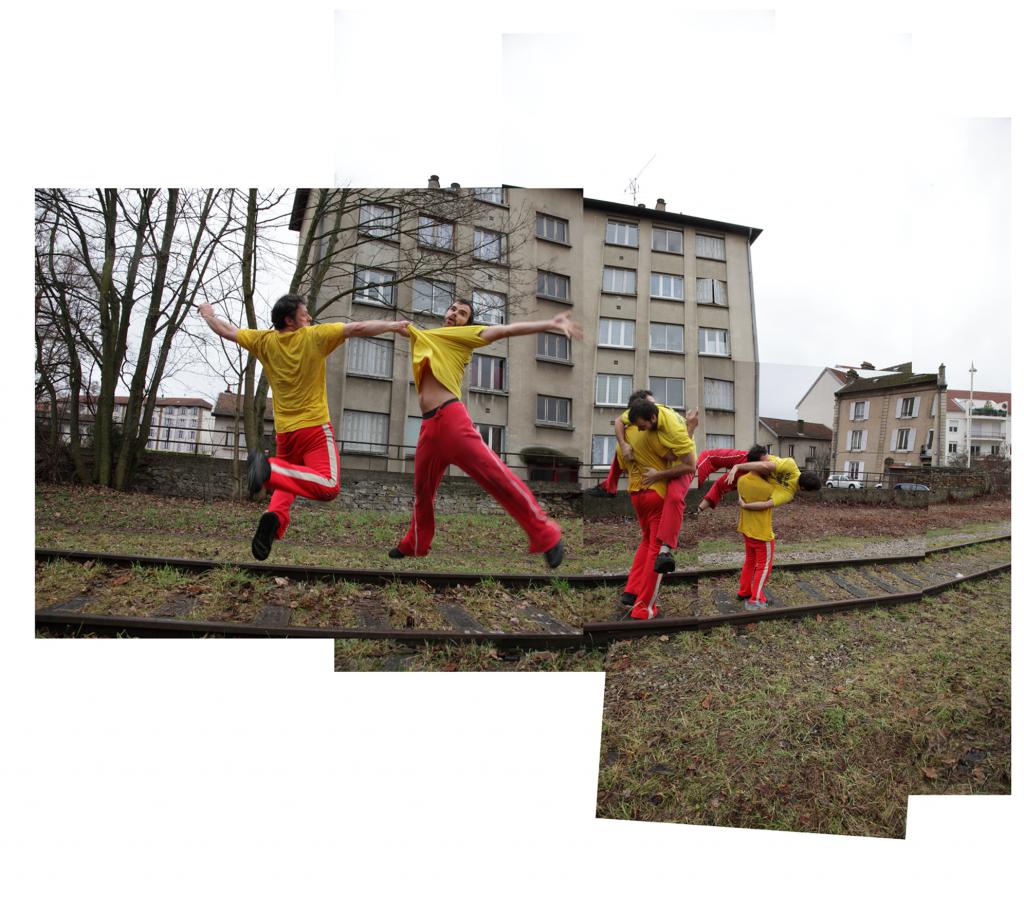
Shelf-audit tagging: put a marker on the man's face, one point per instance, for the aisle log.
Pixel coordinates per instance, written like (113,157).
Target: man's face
(457,314)
(647,423)
(300,320)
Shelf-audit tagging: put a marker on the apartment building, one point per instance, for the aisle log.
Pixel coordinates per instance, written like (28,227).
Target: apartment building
(665,301)
(807,443)
(227,435)
(819,401)
(886,423)
(988,432)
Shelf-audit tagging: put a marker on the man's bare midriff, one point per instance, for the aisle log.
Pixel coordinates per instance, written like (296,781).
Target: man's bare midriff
(432,393)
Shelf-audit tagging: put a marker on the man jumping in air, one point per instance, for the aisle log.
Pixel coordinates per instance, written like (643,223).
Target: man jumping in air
(448,437)
(293,354)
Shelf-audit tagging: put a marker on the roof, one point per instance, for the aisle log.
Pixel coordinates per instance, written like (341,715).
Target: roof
(978,396)
(86,398)
(791,429)
(889,381)
(227,404)
(838,376)
(302,200)
(663,215)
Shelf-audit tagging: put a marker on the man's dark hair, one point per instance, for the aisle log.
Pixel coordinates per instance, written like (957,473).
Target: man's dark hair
(472,309)
(638,395)
(642,409)
(809,480)
(757,452)
(285,308)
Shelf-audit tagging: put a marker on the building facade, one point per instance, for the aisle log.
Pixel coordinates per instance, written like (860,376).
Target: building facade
(891,422)
(987,433)
(819,403)
(808,444)
(664,299)
(227,433)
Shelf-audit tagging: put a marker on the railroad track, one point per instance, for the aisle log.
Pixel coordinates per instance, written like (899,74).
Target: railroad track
(547,612)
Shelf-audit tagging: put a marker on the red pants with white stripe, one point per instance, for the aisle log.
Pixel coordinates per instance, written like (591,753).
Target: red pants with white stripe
(711,460)
(446,438)
(672,507)
(757,568)
(648,506)
(306,465)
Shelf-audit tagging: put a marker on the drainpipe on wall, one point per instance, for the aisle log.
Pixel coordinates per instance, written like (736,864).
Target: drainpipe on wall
(753,324)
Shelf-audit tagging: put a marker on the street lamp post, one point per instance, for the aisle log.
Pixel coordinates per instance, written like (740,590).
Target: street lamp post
(970,409)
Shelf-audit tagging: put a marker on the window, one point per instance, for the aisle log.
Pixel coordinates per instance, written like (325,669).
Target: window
(616,333)
(669,390)
(909,406)
(994,450)
(856,440)
(859,412)
(364,431)
(975,450)
(713,341)
(435,233)
(602,450)
(952,428)
(791,451)
(666,240)
(551,228)
(619,281)
(812,451)
(710,247)
(494,195)
(952,448)
(551,284)
(853,469)
(494,436)
(613,389)
(486,372)
(432,297)
(371,286)
(931,439)
(670,286)
(370,357)
(621,233)
(718,395)
(903,439)
(712,291)
(553,346)
(378,221)
(488,245)
(551,410)
(412,435)
(489,307)
(169,409)
(720,441)
(667,337)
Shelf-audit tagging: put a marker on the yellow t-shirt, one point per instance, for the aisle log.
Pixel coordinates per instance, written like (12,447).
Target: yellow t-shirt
(671,432)
(294,362)
(784,480)
(648,452)
(448,350)
(755,523)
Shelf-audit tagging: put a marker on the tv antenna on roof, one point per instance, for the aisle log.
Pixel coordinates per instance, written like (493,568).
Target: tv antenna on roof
(634,185)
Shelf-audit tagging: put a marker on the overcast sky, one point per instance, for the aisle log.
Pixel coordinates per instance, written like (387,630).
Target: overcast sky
(885,211)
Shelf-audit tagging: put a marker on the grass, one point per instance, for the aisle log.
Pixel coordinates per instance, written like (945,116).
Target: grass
(819,725)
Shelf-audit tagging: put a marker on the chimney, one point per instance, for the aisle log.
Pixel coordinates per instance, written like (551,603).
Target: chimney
(434,183)
(661,205)
(800,426)
(942,376)
(456,186)
(640,205)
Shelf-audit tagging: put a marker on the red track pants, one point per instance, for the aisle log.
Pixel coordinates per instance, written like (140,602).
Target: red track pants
(306,465)
(757,568)
(672,507)
(647,504)
(446,438)
(713,460)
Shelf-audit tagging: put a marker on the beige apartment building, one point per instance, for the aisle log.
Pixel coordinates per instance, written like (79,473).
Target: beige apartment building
(888,423)
(664,299)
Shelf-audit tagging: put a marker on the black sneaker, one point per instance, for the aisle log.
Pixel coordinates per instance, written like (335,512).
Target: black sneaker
(258,467)
(599,491)
(628,598)
(266,531)
(665,563)
(554,554)
(395,554)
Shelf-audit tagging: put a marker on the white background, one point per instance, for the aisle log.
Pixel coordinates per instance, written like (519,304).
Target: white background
(230,774)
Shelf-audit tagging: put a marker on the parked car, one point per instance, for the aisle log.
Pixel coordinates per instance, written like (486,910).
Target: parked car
(906,485)
(844,481)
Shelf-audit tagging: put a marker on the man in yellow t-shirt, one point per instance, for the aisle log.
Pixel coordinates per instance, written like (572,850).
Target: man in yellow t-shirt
(757,501)
(449,437)
(658,457)
(293,354)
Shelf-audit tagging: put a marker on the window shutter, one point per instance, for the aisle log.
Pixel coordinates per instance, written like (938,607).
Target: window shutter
(849,440)
(867,409)
(851,409)
(893,446)
(864,440)
(910,442)
(846,467)
(917,406)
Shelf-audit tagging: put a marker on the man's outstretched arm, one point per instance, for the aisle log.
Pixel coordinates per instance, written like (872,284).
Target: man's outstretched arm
(221,327)
(366,328)
(561,323)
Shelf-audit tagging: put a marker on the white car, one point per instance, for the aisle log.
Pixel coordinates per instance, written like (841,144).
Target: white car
(845,481)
